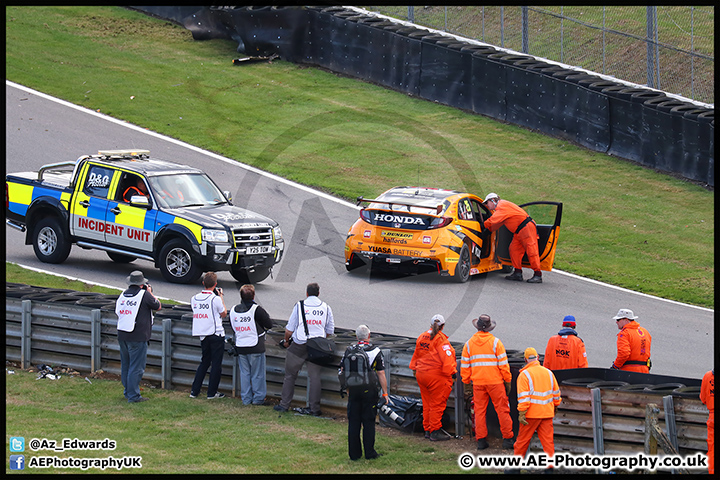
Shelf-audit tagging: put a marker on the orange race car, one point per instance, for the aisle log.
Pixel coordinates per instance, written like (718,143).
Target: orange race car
(419,229)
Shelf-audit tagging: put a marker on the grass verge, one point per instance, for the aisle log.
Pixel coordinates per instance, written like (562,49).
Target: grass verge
(177,435)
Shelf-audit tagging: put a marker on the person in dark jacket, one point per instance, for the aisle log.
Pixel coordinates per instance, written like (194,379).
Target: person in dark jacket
(134,309)
(249,322)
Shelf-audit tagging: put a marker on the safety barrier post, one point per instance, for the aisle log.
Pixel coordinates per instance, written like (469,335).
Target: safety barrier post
(95,343)
(26,340)
(235,378)
(386,357)
(670,427)
(596,405)
(459,404)
(166,360)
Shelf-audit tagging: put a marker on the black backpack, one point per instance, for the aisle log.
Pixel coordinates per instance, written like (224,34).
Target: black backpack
(357,369)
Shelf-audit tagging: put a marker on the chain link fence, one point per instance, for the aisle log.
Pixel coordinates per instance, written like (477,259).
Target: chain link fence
(669,48)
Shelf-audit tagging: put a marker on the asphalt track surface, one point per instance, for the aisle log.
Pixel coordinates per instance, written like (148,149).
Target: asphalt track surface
(42,130)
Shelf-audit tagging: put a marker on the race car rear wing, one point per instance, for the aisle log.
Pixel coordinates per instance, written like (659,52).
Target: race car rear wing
(361,199)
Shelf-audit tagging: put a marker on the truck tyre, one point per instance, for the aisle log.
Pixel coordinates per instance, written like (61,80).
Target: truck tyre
(250,276)
(50,243)
(121,258)
(462,269)
(177,263)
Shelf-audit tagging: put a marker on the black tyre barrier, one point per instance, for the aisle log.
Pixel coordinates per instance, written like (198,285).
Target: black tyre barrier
(607,384)
(16,285)
(707,117)
(20,292)
(583,78)
(530,64)
(564,73)
(96,303)
(393,28)
(627,93)
(579,382)
(433,38)
(664,387)
(695,113)
(687,392)
(334,9)
(471,49)
(600,86)
(66,299)
(507,58)
(669,105)
(419,34)
(374,21)
(613,90)
(39,296)
(647,96)
(637,387)
(169,313)
(384,23)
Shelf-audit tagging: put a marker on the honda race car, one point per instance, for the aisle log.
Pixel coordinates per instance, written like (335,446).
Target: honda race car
(419,229)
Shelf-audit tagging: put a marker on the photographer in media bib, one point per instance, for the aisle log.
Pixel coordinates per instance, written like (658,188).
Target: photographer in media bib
(208,311)
(320,323)
(134,309)
(249,322)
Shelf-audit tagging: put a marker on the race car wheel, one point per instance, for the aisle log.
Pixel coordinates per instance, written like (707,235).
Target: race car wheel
(121,258)
(250,276)
(462,269)
(50,242)
(177,263)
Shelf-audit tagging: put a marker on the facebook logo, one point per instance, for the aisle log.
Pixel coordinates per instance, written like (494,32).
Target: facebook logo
(17,444)
(17,462)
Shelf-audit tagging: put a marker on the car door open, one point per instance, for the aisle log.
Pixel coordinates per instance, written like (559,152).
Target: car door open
(547,216)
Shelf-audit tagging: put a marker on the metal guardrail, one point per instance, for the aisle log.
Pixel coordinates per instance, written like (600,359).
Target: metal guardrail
(84,337)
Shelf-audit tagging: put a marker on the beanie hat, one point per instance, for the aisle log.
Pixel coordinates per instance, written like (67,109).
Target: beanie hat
(569,321)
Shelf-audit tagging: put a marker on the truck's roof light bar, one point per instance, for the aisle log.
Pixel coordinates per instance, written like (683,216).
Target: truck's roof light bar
(110,154)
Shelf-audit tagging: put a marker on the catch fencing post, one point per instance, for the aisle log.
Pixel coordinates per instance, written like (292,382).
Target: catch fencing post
(166,369)
(596,405)
(459,404)
(26,340)
(95,353)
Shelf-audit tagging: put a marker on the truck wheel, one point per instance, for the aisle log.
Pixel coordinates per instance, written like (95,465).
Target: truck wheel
(177,264)
(462,269)
(250,276)
(121,258)
(50,242)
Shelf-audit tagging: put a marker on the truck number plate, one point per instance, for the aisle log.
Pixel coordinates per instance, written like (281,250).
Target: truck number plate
(258,250)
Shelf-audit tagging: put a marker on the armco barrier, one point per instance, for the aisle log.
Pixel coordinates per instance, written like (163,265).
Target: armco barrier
(84,338)
(470,75)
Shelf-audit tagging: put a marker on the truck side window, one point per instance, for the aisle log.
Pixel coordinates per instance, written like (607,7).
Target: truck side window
(97,182)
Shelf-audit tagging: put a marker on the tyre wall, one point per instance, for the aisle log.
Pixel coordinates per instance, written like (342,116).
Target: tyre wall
(637,124)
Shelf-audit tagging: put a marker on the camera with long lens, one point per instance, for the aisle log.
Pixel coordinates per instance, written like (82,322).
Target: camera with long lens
(393,416)
(230,346)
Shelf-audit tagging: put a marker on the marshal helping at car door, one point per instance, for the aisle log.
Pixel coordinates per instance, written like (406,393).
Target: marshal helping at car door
(419,229)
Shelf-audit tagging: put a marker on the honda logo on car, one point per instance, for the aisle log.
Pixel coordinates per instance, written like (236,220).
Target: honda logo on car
(398,220)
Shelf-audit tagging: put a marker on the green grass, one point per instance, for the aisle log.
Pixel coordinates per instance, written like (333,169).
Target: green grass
(175,434)
(622,223)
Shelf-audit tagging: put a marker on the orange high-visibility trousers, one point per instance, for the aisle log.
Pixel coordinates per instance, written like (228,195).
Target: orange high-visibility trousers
(711,442)
(496,393)
(434,390)
(544,428)
(525,241)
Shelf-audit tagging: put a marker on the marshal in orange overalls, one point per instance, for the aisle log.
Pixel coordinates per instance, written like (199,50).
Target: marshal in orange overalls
(538,395)
(707,396)
(434,363)
(633,348)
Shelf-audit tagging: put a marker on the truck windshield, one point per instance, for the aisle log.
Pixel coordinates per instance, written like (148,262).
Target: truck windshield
(183,190)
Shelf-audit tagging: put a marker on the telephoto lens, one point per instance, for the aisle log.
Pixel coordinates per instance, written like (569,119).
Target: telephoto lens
(393,416)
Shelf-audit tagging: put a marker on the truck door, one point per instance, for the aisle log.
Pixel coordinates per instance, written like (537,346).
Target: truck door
(89,206)
(547,216)
(134,224)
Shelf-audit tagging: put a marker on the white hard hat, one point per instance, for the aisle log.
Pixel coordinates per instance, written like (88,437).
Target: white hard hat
(490,196)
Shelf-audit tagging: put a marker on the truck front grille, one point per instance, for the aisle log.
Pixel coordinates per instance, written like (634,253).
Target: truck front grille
(252,237)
